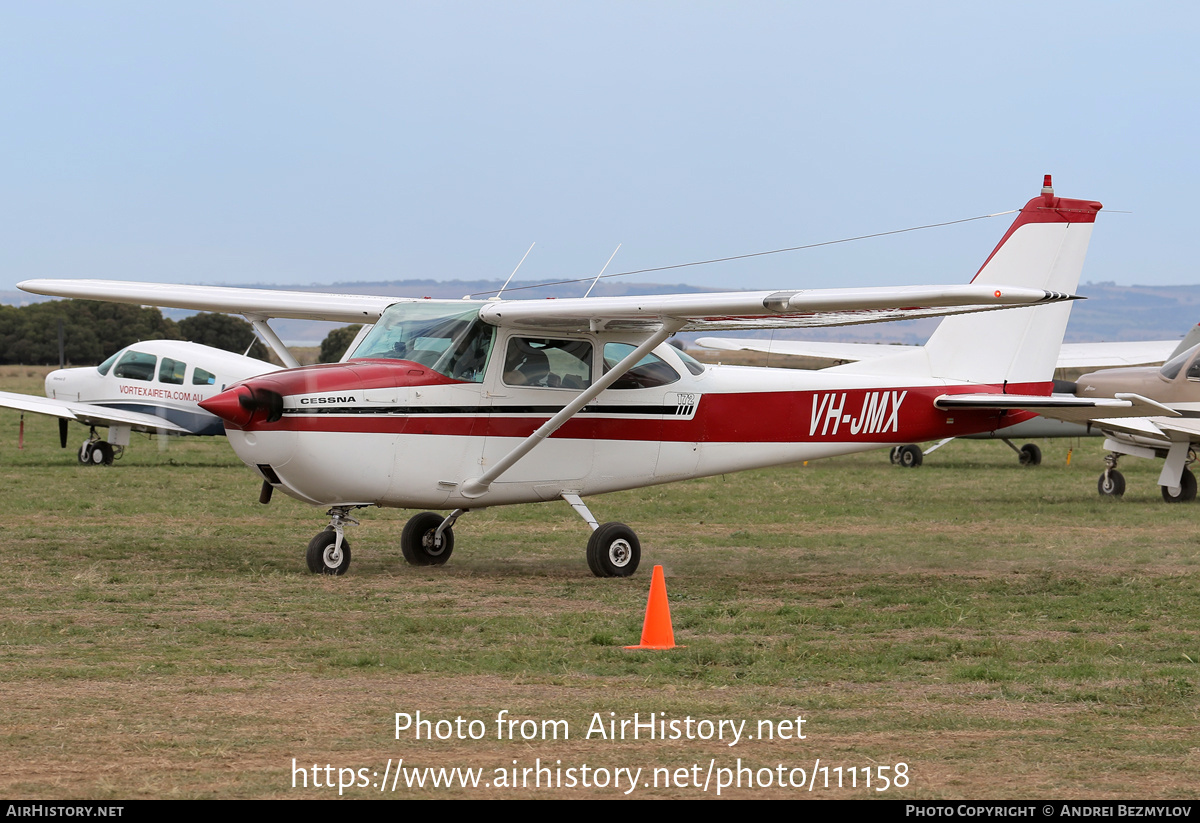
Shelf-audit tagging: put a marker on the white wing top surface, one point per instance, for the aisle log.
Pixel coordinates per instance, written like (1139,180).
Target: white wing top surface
(722,310)
(298,305)
(89,413)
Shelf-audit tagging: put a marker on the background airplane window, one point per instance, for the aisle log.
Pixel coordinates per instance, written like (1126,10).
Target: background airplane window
(650,371)
(554,364)
(136,365)
(171,371)
(203,378)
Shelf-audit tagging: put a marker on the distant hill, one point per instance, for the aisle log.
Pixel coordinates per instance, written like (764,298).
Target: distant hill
(1111,312)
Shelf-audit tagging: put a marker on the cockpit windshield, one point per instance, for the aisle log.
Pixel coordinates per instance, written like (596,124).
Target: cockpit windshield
(1170,369)
(444,338)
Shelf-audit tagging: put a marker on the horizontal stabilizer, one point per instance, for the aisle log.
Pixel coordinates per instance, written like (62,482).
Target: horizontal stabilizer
(1065,407)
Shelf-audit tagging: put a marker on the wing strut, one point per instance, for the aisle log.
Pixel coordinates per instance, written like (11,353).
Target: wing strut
(267,333)
(479,485)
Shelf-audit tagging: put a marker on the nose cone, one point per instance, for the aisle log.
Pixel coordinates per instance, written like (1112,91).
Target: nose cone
(245,404)
(228,406)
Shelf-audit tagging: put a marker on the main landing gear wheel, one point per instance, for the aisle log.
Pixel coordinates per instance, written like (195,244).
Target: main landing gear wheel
(1030,455)
(909,456)
(894,455)
(613,551)
(1187,489)
(96,453)
(420,543)
(324,557)
(1112,484)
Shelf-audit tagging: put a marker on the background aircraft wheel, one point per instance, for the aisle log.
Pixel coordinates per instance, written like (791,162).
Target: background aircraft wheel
(102,454)
(1112,484)
(1030,455)
(417,543)
(85,453)
(321,557)
(910,456)
(613,550)
(894,455)
(1187,489)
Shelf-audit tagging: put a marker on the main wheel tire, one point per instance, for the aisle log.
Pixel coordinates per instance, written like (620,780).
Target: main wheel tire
(418,544)
(613,550)
(85,453)
(1187,489)
(102,454)
(321,556)
(1030,455)
(910,456)
(1111,484)
(894,455)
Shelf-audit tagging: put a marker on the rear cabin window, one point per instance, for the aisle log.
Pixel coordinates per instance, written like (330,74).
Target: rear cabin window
(203,378)
(171,371)
(647,373)
(547,363)
(135,365)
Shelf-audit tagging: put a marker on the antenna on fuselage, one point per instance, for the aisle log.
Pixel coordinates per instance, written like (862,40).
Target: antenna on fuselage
(601,274)
(514,271)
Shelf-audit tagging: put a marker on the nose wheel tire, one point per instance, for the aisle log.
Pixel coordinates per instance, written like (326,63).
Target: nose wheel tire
(323,556)
(419,543)
(1187,489)
(613,551)
(1112,484)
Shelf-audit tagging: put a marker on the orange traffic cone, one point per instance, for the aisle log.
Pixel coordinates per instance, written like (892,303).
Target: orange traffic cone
(656,629)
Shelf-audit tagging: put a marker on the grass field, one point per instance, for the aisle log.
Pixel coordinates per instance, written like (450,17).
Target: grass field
(1001,631)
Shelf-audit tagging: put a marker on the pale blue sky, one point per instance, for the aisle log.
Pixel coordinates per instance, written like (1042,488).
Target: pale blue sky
(299,142)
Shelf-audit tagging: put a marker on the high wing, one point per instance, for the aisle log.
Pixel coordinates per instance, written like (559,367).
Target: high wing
(779,309)
(268,303)
(723,310)
(88,413)
(1066,407)
(1071,355)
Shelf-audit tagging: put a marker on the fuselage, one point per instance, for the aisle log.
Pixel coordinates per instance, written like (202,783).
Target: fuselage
(165,378)
(407,426)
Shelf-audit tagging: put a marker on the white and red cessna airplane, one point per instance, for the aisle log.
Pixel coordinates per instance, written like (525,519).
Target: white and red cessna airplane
(463,404)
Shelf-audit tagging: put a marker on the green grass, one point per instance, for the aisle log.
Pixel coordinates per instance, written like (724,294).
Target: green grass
(1002,630)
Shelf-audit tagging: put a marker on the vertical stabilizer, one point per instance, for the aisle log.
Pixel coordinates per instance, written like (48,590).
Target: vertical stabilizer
(1043,249)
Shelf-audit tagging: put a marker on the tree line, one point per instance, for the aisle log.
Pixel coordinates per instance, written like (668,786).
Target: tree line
(92,331)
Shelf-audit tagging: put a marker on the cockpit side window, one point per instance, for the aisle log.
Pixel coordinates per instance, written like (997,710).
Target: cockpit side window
(171,371)
(1172,367)
(135,365)
(545,363)
(200,377)
(107,364)
(648,372)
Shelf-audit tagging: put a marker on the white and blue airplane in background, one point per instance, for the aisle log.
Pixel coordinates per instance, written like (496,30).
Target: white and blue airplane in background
(152,386)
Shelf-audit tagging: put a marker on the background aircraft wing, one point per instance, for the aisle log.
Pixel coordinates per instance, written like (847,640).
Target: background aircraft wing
(268,303)
(1066,407)
(779,309)
(88,413)
(820,350)
(1070,356)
